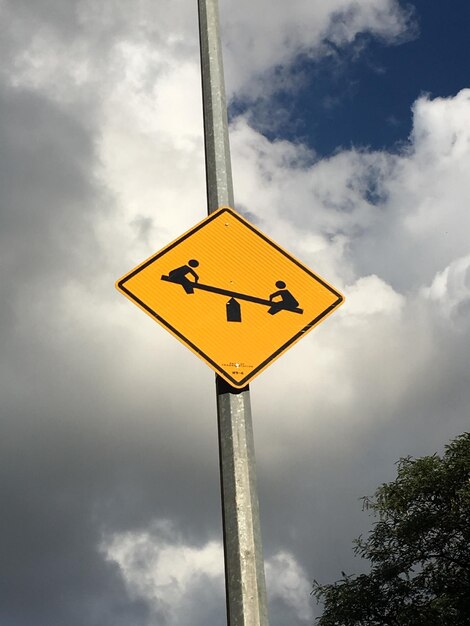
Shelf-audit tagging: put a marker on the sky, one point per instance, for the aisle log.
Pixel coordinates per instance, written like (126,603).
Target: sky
(350,140)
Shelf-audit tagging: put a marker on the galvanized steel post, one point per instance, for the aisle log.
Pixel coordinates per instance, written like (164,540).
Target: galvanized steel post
(244,568)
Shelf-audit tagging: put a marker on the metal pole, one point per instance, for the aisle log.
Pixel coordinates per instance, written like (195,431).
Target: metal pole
(244,568)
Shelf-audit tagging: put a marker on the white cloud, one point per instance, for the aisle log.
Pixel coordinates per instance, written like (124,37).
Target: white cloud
(71,48)
(259,36)
(183,583)
(288,583)
(402,216)
(371,296)
(72,51)
(450,290)
(173,577)
(423,221)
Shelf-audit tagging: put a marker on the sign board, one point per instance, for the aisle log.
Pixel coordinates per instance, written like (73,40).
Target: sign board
(231,295)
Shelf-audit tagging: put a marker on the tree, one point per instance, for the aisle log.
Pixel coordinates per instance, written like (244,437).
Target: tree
(419,549)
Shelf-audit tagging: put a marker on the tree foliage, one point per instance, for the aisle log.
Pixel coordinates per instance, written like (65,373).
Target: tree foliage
(418,548)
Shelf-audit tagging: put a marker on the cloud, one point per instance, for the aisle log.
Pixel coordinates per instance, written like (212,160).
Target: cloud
(371,296)
(107,422)
(261,36)
(393,214)
(288,586)
(424,217)
(184,584)
(450,290)
(77,40)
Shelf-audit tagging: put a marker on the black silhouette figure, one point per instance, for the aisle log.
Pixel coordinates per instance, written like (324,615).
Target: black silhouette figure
(179,275)
(287,301)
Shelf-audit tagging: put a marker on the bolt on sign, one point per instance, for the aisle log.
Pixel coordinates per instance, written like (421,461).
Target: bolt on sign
(231,295)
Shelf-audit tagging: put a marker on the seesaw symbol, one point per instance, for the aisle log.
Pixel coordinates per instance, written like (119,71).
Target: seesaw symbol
(280,300)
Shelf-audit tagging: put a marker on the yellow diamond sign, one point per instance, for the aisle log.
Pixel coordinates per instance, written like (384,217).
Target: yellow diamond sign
(231,295)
